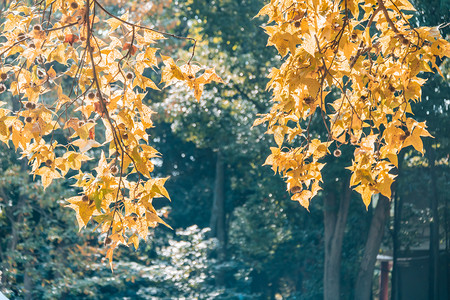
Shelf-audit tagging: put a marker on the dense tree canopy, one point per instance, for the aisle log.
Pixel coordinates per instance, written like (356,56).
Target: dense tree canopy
(46,45)
(351,75)
(358,69)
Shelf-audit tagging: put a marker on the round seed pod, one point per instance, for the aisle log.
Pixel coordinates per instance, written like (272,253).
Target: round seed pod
(48,162)
(337,153)
(296,189)
(114,169)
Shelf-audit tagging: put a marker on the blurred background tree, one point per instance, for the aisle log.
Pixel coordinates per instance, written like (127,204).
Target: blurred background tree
(260,244)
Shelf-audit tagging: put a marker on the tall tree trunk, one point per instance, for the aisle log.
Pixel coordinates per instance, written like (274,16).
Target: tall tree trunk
(396,293)
(217,221)
(363,287)
(434,229)
(398,207)
(27,285)
(335,220)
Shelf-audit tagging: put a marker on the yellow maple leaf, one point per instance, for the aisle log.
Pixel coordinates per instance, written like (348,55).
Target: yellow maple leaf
(47,175)
(303,198)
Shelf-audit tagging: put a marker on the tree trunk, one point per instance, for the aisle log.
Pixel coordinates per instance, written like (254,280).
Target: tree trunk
(398,207)
(217,221)
(434,230)
(335,219)
(27,285)
(363,287)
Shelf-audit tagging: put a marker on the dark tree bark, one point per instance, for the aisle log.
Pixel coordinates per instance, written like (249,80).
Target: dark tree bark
(398,207)
(335,220)
(363,285)
(217,221)
(434,229)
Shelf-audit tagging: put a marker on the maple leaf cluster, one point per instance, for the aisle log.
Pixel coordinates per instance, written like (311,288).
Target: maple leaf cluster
(70,79)
(369,54)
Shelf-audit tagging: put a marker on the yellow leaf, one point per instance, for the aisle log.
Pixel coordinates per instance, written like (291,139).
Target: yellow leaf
(114,23)
(51,72)
(47,175)
(135,240)
(384,187)
(309,44)
(171,71)
(303,198)
(82,209)
(283,41)
(85,145)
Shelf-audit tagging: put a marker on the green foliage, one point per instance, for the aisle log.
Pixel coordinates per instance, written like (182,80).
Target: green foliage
(274,248)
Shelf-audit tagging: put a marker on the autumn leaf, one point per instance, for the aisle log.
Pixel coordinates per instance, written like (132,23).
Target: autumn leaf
(372,67)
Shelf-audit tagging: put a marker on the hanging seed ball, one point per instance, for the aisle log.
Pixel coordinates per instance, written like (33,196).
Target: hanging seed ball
(40,73)
(37,27)
(2,88)
(376,155)
(81,123)
(296,189)
(337,153)
(74,5)
(21,36)
(91,95)
(48,162)
(32,45)
(125,136)
(129,75)
(134,216)
(4,76)
(33,105)
(354,36)
(404,41)
(114,169)
(107,240)
(85,198)
(308,100)
(28,119)
(405,135)
(98,95)
(297,24)
(90,121)
(29,105)
(391,88)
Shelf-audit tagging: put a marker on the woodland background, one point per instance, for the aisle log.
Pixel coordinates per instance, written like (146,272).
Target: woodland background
(237,235)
